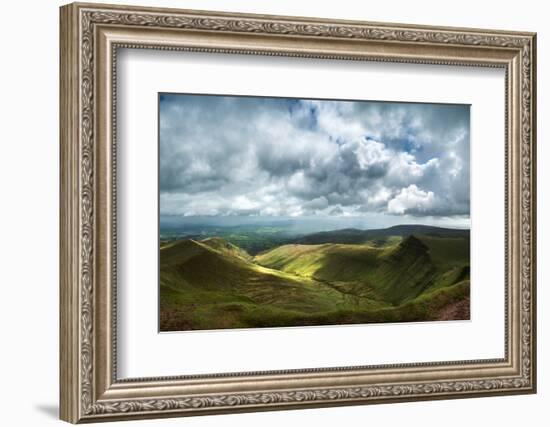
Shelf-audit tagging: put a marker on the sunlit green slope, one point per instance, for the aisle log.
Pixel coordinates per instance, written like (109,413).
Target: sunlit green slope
(397,273)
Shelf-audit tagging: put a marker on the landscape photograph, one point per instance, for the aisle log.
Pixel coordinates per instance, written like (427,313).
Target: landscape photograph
(295,212)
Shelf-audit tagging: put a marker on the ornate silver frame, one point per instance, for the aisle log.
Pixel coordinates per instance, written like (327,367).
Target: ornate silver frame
(90,36)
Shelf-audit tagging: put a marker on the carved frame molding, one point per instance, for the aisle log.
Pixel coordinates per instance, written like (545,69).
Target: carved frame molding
(90,36)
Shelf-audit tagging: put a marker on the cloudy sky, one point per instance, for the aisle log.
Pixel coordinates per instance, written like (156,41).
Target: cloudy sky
(252,158)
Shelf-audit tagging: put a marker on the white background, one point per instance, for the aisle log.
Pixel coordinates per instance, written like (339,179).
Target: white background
(29,171)
(145,353)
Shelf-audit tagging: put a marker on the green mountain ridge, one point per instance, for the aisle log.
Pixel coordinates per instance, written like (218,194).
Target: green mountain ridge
(396,273)
(214,284)
(353,235)
(222,245)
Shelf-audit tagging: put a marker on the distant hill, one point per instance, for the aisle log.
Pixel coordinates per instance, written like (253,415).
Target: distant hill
(214,284)
(395,273)
(225,247)
(353,235)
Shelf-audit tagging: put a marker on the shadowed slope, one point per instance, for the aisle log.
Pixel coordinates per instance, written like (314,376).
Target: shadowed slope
(396,273)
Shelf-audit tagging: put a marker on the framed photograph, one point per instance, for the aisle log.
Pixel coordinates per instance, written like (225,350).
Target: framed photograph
(266,212)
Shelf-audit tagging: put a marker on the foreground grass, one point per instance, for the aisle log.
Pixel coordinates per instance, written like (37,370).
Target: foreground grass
(226,313)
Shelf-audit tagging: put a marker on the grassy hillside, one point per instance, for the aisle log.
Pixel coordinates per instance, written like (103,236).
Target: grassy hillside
(225,247)
(204,287)
(214,284)
(396,273)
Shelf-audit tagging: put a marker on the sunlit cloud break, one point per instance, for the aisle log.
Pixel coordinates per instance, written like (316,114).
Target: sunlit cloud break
(230,156)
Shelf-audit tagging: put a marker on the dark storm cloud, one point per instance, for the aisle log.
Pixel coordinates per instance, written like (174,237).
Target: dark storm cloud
(281,157)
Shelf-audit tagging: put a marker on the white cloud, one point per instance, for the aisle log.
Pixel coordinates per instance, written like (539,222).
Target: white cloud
(371,153)
(411,200)
(319,203)
(228,156)
(379,198)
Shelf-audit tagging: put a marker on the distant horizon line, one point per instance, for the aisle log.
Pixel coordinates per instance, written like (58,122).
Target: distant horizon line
(336,229)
